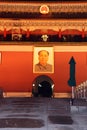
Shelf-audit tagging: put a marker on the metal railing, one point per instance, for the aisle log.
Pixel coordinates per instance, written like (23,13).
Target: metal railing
(81,91)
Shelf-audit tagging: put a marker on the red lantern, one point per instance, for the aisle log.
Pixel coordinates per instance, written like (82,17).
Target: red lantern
(60,33)
(5,33)
(28,33)
(83,33)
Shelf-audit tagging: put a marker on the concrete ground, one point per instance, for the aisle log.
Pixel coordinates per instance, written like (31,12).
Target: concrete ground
(42,114)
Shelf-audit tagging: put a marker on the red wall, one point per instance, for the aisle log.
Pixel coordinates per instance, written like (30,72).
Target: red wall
(16,70)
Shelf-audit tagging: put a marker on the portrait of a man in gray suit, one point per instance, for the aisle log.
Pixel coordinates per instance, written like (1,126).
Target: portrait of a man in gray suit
(42,65)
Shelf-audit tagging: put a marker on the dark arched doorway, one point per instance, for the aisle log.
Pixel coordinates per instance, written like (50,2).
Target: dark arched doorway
(43,86)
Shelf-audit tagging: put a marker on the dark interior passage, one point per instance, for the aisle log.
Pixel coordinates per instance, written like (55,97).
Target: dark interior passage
(42,87)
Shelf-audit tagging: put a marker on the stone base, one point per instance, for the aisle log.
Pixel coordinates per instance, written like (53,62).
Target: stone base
(29,94)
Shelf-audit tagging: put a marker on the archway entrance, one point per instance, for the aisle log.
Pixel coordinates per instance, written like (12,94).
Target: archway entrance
(42,86)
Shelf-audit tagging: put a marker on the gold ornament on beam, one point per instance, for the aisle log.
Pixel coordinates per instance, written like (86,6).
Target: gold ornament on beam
(44,9)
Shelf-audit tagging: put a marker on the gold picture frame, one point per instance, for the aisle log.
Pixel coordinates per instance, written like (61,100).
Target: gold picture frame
(43,60)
